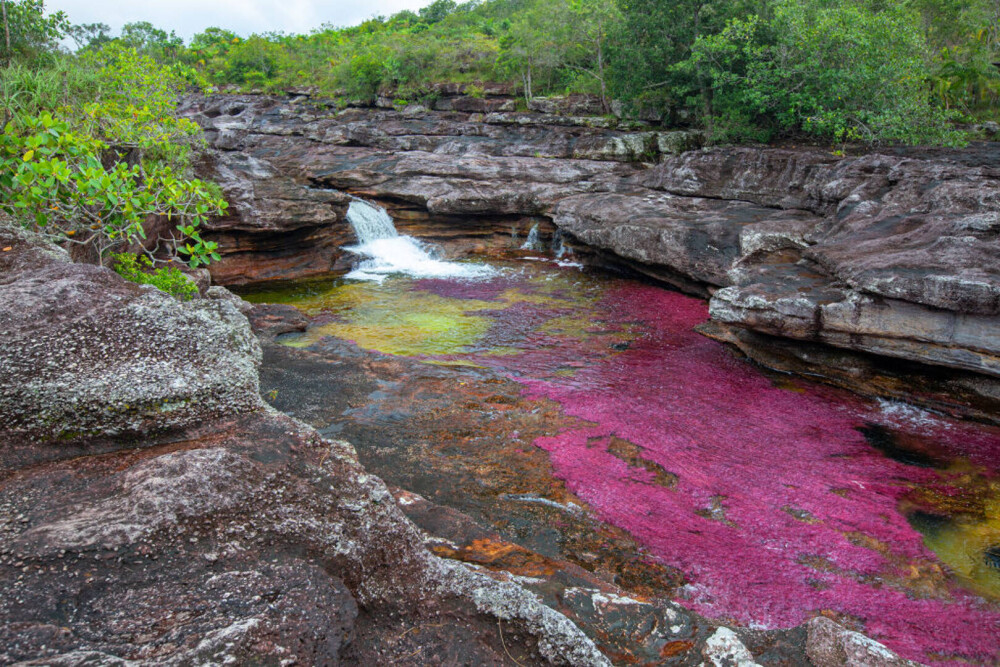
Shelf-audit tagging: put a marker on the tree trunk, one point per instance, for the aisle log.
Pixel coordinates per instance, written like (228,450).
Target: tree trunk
(528,93)
(600,74)
(6,31)
(706,91)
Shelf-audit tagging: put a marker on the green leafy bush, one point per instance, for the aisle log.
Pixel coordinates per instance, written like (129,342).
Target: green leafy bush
(93,173)
(139,269)
(32,34)
(746,70)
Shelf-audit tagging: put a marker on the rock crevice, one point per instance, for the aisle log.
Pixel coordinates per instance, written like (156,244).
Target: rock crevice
(894,254)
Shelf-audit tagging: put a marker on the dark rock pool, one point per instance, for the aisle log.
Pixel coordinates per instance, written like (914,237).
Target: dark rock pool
(753,498)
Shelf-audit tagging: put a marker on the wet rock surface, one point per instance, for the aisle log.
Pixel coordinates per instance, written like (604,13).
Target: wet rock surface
(483,496)
(286,166)
(893,254)
(242,535)
(225,534)
(698,484)
(154,509)
(901,258)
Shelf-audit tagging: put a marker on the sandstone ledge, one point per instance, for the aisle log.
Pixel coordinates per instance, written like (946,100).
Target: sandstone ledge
(894,253)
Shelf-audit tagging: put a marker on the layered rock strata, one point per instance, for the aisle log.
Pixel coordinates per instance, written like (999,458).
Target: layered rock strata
(154,510)
(889,255)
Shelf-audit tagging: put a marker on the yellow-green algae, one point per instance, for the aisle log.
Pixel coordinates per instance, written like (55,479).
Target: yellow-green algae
(398,317)
(392,319)
(962,543)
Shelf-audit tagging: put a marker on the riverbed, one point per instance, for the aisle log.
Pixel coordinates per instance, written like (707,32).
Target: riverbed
(750,497)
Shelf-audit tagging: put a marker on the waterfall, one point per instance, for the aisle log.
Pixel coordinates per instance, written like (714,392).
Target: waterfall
(559,246)
(383,252)
(533,242)
(369,222)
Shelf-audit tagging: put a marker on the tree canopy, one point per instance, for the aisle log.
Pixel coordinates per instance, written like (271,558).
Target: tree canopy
(836,70)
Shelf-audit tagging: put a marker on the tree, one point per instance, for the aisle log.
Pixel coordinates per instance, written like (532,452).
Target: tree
(437,11)
(94,174)
(837,70)
(30,33)
(146,38)
(255,61)
(592,21)
(652,47)
(532,48)
(964,36)
(90,35)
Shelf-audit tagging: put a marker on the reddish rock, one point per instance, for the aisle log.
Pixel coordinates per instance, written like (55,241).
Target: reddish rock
(192,524)
(894,253)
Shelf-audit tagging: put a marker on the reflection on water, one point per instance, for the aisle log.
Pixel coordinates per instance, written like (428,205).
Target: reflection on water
(779,499)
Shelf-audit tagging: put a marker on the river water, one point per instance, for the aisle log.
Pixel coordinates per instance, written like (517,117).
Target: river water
(778,499)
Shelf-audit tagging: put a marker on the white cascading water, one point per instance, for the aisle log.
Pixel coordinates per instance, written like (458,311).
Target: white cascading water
(369,222)
(533,242)
(384,252)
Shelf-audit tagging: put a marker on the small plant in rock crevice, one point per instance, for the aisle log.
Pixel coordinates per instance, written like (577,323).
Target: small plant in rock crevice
(139,269)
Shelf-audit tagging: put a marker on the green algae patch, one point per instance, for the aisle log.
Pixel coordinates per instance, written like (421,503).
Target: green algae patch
(392,319)
(445,320)
(968,542)
(389,317)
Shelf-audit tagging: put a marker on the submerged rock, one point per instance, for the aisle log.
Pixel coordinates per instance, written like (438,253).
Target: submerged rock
(894,253)
(218,530)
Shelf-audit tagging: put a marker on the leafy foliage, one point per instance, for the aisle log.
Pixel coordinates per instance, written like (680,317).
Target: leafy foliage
(56,180)
(839,70)
(139,269)
(29,33)
(836,70)
(746,70)
(91,160)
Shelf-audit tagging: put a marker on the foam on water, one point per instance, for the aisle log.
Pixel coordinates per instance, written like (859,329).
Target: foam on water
(408,256)
(385,253)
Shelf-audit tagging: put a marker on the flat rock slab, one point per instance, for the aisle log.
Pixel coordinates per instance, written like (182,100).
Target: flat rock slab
(699,238)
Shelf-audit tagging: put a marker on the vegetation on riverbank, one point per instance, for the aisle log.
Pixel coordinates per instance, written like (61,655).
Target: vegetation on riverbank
(91,148)
(857,70)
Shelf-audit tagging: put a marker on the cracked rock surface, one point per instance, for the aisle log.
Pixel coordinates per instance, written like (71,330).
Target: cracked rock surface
(892,255)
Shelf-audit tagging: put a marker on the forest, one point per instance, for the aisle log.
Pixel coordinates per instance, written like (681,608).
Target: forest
(91,146)
(746,70)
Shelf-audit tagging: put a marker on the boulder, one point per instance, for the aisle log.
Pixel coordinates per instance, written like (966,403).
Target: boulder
(832,645)
(87,355)
(568,105)
(154,510)
(695,238)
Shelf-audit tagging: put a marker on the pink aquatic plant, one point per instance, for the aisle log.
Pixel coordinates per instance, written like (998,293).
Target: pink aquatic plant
(781,509)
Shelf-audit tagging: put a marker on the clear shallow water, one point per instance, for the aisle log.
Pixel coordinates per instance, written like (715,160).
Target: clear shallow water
(779,499)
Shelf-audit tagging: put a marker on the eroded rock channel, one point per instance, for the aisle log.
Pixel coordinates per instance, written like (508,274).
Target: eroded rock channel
(530,459)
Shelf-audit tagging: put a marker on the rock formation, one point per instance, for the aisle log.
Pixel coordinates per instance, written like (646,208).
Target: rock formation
(154,510)
(884,264)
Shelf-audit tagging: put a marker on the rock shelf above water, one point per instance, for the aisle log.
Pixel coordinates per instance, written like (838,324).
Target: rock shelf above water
(892,255)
